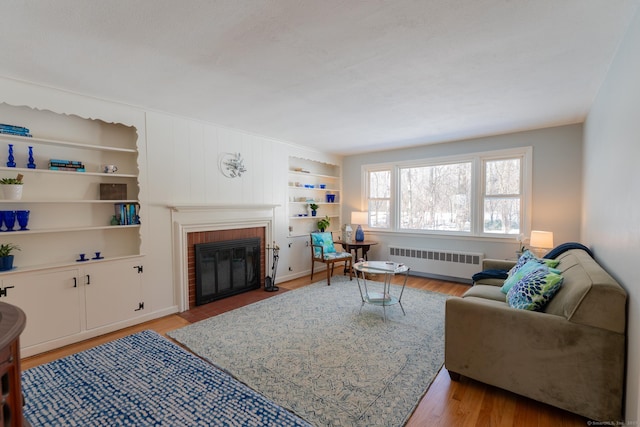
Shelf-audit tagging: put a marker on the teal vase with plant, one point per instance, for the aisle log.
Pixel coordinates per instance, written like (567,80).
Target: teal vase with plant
(6,257)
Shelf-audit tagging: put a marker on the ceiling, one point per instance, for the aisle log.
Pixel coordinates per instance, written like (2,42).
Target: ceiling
(342,76)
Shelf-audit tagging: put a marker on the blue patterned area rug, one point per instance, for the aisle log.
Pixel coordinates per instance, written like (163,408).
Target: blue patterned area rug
(143,380)
(315,352)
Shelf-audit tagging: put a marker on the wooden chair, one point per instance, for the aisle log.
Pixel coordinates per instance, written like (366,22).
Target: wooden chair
(323,250)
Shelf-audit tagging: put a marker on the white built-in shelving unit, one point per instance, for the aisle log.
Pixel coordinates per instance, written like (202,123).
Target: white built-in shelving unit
(67,300)
(310,181)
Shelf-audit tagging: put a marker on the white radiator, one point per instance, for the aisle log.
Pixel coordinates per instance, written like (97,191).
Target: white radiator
(438,262)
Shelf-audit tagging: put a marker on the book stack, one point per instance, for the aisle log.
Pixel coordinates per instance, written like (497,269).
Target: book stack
(127,213)
(66,165)
(14,130)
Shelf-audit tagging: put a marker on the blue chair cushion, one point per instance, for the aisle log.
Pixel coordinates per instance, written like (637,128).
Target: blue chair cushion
(326,241)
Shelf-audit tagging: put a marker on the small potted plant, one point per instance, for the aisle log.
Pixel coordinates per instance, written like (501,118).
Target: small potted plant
(6,257)
(314,209)
(12,187)
(324,223)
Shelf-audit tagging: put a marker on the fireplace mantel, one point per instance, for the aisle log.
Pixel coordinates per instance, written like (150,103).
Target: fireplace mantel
(189,218)
(217,206)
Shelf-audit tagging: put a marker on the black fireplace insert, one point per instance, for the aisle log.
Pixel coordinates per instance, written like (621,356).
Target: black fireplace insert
(226,268)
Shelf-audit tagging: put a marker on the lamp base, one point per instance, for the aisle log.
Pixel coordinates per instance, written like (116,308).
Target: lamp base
(359,234)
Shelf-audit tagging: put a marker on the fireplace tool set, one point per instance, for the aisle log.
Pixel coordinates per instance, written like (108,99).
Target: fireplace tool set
(270,281)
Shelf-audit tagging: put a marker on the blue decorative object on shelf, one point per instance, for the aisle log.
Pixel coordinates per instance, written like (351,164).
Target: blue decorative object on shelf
(10,159)
(31,164)
(23,219)
(9,218)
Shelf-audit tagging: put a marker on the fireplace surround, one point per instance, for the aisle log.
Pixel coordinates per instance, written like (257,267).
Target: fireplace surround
(196,223)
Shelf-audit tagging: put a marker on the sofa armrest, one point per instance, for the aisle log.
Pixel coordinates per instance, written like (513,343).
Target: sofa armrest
(542,356)
(497,264)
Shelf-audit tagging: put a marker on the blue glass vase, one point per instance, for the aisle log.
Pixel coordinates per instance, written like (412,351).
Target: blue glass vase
(31,164)
(10,159)
(9,218)
(359,234)
(23,219)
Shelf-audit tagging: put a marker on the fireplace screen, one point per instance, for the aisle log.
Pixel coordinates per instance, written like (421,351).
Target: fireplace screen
(226,268)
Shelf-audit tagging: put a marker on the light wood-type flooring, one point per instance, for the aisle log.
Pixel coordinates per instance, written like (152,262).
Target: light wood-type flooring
(446,403)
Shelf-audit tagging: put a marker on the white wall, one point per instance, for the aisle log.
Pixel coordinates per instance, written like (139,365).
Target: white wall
(183,157)
(557,174)
(611,213)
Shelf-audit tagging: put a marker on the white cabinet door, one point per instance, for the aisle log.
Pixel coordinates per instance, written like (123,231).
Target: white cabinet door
(299,254)
(113,292)
(51,301)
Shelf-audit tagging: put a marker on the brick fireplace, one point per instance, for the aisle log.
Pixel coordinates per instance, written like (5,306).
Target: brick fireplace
(210,223)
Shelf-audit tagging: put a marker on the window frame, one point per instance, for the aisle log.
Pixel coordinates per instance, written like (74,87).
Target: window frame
(478,163)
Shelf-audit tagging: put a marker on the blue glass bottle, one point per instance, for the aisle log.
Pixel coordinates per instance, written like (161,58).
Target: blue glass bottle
(31,164)
(10,159)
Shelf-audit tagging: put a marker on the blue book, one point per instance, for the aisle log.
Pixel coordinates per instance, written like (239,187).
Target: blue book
(66,165)
(66,162)
(57,168)
(14,128)
(10,132)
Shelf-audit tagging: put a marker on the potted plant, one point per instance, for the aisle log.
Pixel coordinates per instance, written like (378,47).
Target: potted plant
(6,258)
(324,223)
(12,187)
(314,209)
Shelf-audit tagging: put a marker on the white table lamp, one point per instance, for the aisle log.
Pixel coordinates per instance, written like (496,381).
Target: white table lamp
(359,218)
(541,240)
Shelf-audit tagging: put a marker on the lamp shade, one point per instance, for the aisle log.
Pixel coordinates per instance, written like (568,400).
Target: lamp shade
(359,217)
(541,239)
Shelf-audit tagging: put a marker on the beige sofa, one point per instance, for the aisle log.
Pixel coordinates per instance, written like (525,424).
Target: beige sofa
(571,356)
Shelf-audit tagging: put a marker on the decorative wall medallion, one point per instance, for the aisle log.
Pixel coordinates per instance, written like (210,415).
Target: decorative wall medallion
(231,165)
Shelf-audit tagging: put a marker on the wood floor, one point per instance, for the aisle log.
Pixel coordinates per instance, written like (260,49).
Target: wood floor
(446,403)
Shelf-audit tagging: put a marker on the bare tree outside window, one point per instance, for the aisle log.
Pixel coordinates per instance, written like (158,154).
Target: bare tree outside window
(380,199)
(502,196)
(436,197)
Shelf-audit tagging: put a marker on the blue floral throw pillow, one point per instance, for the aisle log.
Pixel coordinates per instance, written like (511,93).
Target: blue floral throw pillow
(534,290)
(518,274)
(325,240)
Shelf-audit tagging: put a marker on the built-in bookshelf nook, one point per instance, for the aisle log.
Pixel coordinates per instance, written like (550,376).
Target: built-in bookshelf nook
(72,256)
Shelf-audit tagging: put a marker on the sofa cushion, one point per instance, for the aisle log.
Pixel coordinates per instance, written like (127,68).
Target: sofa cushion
(589,295)
(325,240)
(486,292)
(535,289)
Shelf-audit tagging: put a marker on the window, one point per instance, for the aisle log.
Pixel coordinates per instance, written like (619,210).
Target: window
(436,197)
(379,198)
(478,194)
(502,196)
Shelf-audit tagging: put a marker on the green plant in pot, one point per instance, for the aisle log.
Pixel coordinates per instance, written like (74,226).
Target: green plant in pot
(314,209)
(324,223)
(12,187)
(6,257)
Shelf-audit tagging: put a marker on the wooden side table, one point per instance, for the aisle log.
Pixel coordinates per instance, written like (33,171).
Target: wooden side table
(12,323)
(353,247)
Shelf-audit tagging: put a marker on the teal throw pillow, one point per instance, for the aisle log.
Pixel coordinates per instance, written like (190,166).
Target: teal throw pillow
(529,256)
(325,240)
(518,274)
(534,290)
